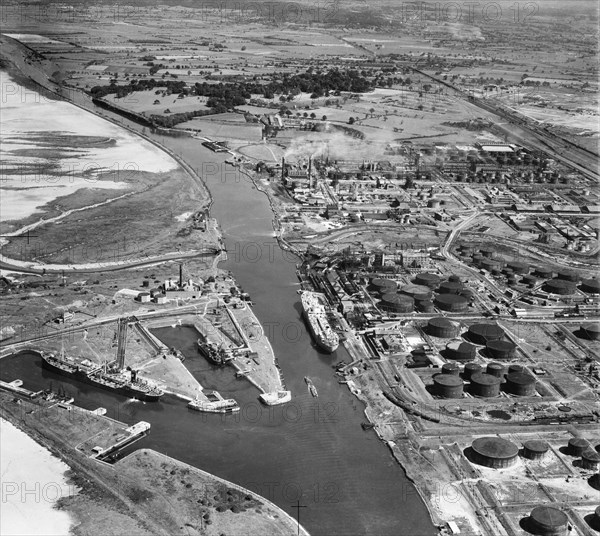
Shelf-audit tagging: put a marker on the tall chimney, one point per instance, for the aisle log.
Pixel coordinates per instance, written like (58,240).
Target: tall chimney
(282,168)
(180,275)
(310,185)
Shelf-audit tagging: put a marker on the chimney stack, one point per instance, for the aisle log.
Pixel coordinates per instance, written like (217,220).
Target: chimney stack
(282,168)
(180,275)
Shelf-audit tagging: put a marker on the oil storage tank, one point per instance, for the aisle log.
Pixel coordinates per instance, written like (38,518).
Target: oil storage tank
(460,351)
(544,273)
(451,287)
(577,446)
(516,368)
(561,287)
(425,306)
(591,331)
(591,286)
(448,385)
(450,368)
(383,286)
(484,385)
(494,452)
(547,521)
(496,369)
(451,303)
(428,279)
(567,276)
(590,459)
(518,267)
(482,333)
(417,292)
(520,384)
(470,369)
(441,327)
(396,303)
(499,349)
(535,449)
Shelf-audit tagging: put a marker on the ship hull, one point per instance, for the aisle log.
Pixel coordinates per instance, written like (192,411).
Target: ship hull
(84,378)
(211,356)
(321,343)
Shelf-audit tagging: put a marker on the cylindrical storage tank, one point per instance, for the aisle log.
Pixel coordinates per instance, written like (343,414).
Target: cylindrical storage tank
(425,306)
(451,368)
(535,449)
(441,327)
(511,280)
(568,276)
(383,286)
(450,287)
(591,286)
(482,333)
(460,351)
(470,369)
(529,280)
(485,385)
(516,368)
(448,386)
(577,446)
(467,249)
(417,292)
(490,264)
(477,258)
(591,331)
(590,459)
(520,384)
(488,253)
(518,267)
(496,369)
(547,521)
(544,273)
(496,272)
(559,286)
(499,349)
(455,279)
(467,293)
(494,452)
(396,303)
(451,302)
(428,279)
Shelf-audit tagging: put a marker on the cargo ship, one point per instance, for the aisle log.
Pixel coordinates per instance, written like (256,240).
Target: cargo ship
(91,373)
(217,356)
(316,318)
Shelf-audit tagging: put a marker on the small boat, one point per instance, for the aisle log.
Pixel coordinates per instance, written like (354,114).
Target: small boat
(367,425)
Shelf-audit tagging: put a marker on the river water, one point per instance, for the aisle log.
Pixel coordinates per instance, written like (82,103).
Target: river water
(312,450)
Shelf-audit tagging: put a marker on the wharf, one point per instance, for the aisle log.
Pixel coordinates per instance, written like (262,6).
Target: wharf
(15,387)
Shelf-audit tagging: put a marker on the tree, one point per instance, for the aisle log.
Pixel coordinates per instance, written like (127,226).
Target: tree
(324,118)
(313,115)
(351,120)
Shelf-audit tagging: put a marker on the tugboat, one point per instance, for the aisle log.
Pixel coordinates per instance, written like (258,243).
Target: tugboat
(311,387)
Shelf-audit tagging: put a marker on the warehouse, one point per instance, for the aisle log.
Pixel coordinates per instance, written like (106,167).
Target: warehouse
(494,452)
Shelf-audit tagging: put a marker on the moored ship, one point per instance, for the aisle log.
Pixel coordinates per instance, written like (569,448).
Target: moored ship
(316,318)
(216,356)
(87,372)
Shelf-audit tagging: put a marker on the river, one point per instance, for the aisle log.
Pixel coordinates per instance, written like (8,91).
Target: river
(312,450)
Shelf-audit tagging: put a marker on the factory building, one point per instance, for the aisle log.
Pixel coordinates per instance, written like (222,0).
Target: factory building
(494,452)
(561,287)
(428,279)
(520,384)
(448,386)
(499,349)
(484,385)
(470,369)
(590,459)
(591,286)
(441,327)
(451,302)
(460,351)
(482,333)
(547,521)
(396,303)
(496,369)
(535,449)
(577,446)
